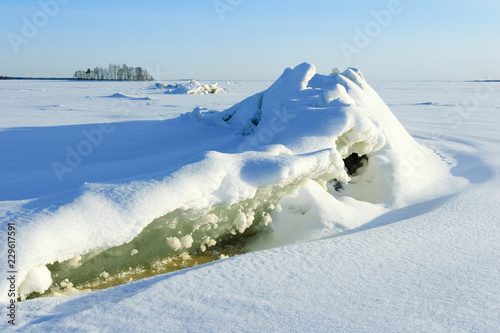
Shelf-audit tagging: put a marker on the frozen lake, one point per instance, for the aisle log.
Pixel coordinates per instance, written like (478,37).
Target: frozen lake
(95,170)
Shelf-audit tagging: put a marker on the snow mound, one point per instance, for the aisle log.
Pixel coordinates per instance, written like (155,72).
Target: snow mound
(136,98)
(311,156)
(307,112)
(191,87)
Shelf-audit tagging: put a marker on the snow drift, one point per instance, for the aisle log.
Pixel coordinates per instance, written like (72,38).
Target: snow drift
(311,156)
(136,98)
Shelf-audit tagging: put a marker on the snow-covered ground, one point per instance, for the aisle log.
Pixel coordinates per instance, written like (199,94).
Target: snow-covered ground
(409,243)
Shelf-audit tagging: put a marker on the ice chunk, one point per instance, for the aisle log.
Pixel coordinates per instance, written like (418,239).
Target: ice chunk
(38,280)
(190,87)
(174,243)
(187,241)
(75,261)
(241,222)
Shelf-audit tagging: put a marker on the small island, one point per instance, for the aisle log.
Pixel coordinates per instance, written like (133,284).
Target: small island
(114,72)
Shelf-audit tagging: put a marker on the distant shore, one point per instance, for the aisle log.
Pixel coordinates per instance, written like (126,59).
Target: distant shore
(36,78)
(484,81)
(74,79)
(48,78)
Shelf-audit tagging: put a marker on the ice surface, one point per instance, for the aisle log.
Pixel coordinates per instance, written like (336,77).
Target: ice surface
(209,169)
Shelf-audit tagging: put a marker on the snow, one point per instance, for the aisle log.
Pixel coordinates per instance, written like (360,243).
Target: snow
(137,98)
(409,243)
(37,280)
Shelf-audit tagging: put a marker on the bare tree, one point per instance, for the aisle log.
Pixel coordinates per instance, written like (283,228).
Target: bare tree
(139,76)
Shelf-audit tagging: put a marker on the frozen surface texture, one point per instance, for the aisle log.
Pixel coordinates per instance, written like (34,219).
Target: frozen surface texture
(314,160)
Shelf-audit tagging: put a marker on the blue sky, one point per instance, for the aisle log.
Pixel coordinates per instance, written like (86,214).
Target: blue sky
(253,39)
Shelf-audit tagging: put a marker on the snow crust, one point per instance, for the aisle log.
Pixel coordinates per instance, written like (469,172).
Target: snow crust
(269,165)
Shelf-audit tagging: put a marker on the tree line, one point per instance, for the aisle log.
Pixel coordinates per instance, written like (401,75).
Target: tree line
(114,72)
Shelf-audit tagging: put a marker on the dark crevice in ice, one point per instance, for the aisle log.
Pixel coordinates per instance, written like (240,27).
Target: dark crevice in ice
(351,163)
